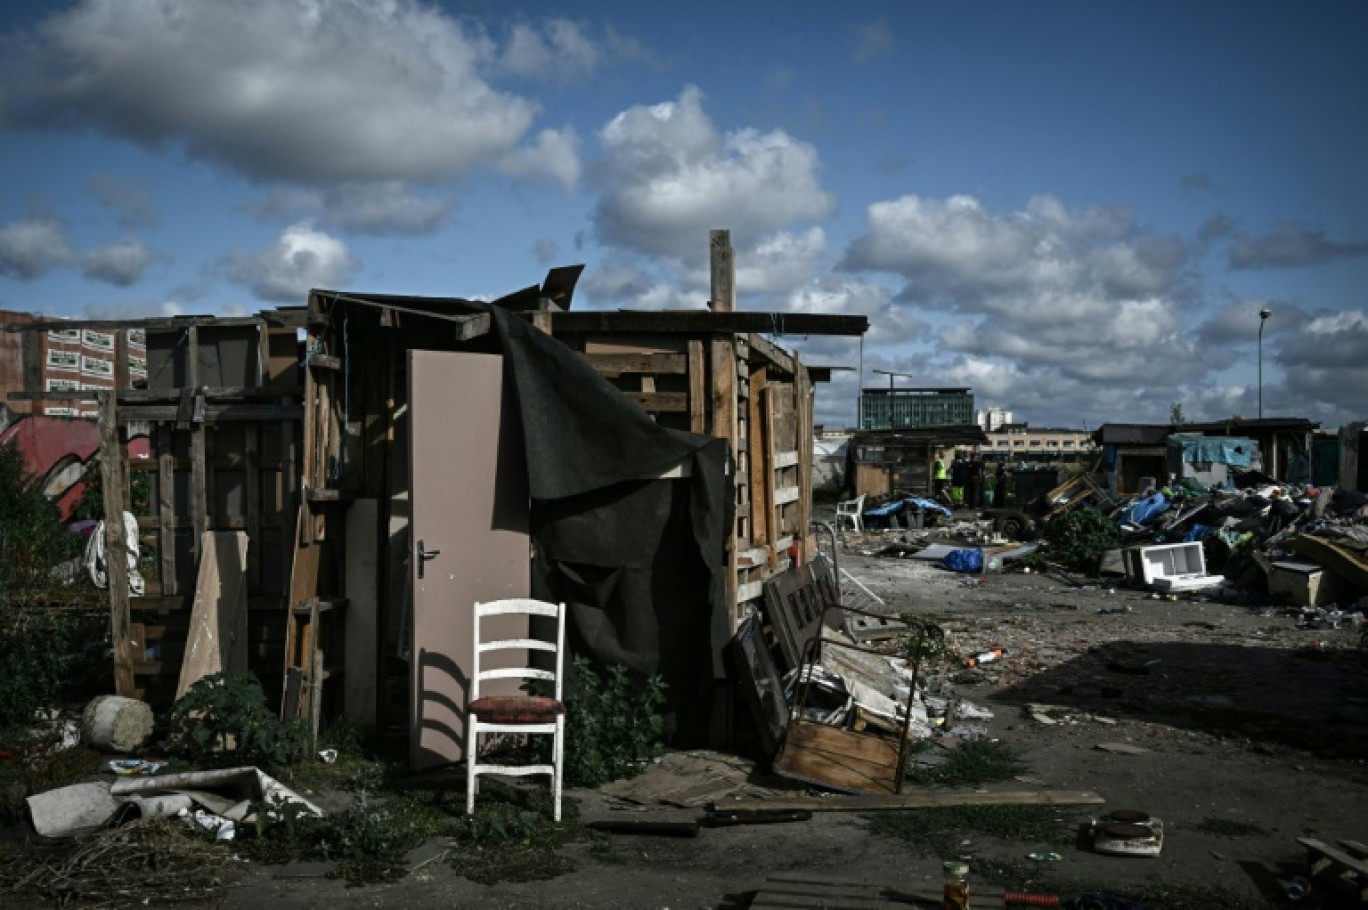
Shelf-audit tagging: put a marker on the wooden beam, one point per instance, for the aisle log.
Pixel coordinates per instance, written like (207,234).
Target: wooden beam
(723,425)
(116,544)
(765,468)
(163,322)
(661,402)
(121,360)
(468,327)
(127,397)
(166,509)
(722,265)
(762,347)
(703,322)
(760,530)
(252,487)
(213,413)
(932,799)
(804,400)
(611,366)
(698,379)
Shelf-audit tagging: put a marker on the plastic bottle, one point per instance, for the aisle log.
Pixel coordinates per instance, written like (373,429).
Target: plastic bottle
(984,657)
(956,886)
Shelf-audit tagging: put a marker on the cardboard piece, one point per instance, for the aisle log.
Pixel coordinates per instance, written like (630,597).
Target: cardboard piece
(217,640)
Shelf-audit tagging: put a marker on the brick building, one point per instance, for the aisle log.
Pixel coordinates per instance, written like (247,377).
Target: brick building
(67,359)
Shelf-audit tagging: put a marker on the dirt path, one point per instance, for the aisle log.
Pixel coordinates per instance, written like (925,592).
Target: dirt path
(1240,732)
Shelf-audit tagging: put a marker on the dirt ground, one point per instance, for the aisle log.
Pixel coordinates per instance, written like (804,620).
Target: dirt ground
(1248,732)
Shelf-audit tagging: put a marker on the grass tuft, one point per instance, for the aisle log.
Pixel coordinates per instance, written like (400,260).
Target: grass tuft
(972,763)
(1230,827)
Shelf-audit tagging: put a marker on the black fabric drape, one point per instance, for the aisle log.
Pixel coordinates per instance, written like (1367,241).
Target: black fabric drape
(639,560)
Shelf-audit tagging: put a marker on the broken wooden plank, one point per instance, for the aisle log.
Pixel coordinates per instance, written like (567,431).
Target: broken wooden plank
(839,759)
(761,687)
(937,799)
(1320,848)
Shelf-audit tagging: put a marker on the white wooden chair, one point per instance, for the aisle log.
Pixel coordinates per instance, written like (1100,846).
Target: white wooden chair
(534,714)
(852,510)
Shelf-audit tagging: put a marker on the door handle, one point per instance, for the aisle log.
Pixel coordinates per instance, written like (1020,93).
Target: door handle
(424,555)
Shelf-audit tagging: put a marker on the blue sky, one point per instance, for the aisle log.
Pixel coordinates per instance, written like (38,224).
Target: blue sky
(1076,209)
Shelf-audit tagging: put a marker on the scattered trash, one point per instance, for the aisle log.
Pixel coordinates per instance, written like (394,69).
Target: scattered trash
(956,886)
(984,657)
(209,823)
(1044,857)
(1297,888)
(134,766)
(328,756)
(1128,832)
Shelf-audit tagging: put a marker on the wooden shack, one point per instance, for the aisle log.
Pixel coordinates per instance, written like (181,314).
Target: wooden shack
(305,429)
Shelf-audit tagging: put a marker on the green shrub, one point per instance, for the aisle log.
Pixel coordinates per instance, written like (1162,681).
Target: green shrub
(34,631)
(33,667)
(612,728)
(223,720)
(32,538)
(1079,538)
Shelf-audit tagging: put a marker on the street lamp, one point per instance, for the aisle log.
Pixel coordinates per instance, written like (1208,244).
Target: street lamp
(1263,317)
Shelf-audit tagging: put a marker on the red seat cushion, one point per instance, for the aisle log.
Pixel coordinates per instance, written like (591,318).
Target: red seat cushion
(516,709)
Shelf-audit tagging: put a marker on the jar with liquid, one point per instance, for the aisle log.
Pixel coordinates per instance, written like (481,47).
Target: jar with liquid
(956,886)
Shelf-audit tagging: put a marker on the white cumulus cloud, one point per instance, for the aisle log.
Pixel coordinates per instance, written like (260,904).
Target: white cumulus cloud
(670,176)
(309,91)
(301,258)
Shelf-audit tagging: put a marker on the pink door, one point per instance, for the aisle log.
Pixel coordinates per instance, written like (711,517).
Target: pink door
(469,533)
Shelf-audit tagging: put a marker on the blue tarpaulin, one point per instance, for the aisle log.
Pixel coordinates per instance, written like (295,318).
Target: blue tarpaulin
(1235,451)
(927,505)
(1145,510)
(884,515)
(965,560)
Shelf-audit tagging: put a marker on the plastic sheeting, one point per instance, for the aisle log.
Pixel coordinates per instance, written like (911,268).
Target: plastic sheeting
(1235,451)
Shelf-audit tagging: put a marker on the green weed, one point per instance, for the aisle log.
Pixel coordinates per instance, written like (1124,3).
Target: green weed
(941,831)
(970,764)
(1230,827)
(223,720)
(613,725)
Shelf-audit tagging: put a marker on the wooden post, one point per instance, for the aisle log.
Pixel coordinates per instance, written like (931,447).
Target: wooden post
(698,407)
(34,345)
(166,508)
(724,426)
(121,380)
(804,401)
(199,506)
(765,431)
(762,531)
(723,264)
(252,491)
(116,543)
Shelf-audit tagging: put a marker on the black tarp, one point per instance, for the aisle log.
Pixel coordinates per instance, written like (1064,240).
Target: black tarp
(639,560)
